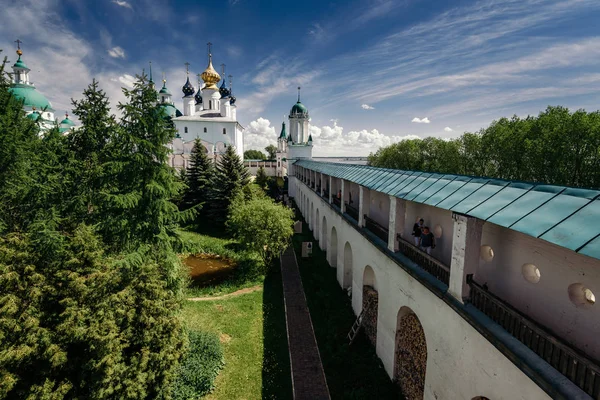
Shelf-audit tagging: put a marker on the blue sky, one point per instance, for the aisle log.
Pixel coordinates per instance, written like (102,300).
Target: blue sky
(372,72)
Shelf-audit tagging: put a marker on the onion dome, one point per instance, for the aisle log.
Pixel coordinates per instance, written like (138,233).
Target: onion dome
(34,116)
(232,100)
(188,88)
(20,64)
(198,97)
(223,90)
(164,89)
(298,108)
(168,110)
(67,121)
(283,134)
(210,76)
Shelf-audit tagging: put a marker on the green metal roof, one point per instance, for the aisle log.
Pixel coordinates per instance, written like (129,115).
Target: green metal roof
(20,64)
(67,121)
(30,96)
(298,108)
(283,133)
(568,217)
(169,110)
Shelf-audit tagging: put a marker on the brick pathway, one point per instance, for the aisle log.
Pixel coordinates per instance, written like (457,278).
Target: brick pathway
(308,377)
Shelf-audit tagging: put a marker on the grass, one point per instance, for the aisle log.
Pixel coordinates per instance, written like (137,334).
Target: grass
(252,331)
(352,372)
(248,272)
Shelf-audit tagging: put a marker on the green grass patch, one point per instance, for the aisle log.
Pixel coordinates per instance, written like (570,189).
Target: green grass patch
(352,372)
(248,272)
(251,328)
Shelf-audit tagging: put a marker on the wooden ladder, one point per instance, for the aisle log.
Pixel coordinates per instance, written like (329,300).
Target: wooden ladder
(358,323)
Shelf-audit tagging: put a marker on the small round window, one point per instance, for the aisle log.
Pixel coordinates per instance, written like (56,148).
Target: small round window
(581,296)
(487,253)
(437,231)
(531,273)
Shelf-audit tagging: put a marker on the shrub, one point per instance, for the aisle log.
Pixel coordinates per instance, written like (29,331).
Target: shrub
(199,367)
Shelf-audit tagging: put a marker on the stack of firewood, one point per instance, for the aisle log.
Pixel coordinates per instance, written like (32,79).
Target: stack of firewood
(370,298)
(411,357)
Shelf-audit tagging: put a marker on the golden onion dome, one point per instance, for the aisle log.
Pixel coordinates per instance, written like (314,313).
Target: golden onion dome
(210,76)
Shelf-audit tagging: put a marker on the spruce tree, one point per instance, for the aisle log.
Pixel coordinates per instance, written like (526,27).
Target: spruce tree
(262,179)
(230,178)
(198,179)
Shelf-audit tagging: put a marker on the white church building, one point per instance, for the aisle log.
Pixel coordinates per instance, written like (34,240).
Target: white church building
(209,114)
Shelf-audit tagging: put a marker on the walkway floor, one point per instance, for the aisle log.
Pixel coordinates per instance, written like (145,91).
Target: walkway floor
(236,293)
(308,377)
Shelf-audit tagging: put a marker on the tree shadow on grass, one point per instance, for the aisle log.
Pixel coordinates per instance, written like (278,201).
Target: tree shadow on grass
(276,375)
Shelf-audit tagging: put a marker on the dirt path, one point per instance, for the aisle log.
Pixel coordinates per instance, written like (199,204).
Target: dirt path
(236,293)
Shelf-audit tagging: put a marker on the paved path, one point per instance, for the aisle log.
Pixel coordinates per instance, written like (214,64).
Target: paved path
(236,293)
(308,377)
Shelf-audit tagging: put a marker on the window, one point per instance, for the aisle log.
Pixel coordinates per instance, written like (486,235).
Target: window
(224,131)
(204,129)
(163,99)
(185,129)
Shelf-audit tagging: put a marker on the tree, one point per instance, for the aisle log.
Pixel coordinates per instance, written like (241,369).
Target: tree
(271,151)
(254,155)
(198,178)
(262,179)
(262,225)
(230,177)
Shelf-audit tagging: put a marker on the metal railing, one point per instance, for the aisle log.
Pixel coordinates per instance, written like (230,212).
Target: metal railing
(424,260)
(580,370)
(337,201)
(379,230)
(351,211)
(326,193)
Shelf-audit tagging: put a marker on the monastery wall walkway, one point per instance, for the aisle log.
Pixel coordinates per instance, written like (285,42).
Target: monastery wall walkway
(308,376)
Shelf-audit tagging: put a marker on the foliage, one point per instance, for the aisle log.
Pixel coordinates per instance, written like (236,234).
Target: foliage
(199,367)
(557,147)
(92,288)
(198,179)
(230,178)
(254,155)
(262,225)
(262,179)
(271,151)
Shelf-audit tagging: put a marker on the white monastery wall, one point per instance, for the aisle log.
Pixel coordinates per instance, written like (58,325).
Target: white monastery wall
(379,209)
(461,363)
(546,301)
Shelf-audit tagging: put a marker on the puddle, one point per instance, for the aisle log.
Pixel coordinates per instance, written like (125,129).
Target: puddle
(207,270)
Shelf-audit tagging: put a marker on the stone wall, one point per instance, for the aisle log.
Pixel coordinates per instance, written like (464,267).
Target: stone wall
(370,300)
(411,357)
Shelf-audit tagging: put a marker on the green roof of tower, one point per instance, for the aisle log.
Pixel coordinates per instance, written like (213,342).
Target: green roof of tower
(30,96)
(299,108)
(283,134)
(20,64)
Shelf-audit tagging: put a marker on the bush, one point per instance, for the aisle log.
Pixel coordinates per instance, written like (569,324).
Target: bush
(199,367)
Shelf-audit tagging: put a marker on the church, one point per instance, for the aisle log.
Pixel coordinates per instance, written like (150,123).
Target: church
(209,114)
(35,104)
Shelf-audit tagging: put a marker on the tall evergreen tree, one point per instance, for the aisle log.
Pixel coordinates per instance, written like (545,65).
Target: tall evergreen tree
(198,178)
(262,179)
(230,177)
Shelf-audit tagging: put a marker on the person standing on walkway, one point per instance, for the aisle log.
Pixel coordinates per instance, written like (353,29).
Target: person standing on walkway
(416,232)
(427,240)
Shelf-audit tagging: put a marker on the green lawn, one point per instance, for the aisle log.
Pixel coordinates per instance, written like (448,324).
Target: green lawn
(251,326)
(352,372)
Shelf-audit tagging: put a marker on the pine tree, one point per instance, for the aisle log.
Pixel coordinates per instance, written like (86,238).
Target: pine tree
(198,179)
(262,179)
(230,178)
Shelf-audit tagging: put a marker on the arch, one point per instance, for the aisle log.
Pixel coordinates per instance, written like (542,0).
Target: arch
(410,356)
(317,226)
(323,242)
(347,274)
(310,216)
(370,303)
(333,248)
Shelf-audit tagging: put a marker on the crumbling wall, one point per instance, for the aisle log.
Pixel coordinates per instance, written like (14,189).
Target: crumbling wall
(411,357)
(369,303)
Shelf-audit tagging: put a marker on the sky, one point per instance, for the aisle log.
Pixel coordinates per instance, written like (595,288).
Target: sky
(372,72)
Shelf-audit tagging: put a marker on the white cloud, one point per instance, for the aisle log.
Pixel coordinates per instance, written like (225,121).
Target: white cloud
(259,134)
(117,52)
(421,120)
(127,80)
(123,4)
(448,129)
(367,107)
(234,51)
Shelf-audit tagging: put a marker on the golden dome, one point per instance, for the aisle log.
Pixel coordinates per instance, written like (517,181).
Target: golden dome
(210,76)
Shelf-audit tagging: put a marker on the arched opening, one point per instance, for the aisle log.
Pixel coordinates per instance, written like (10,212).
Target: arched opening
(370,301)
(317,225)
(347,277)
(323,242)
(310,216)
(332,251)
(410,359)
